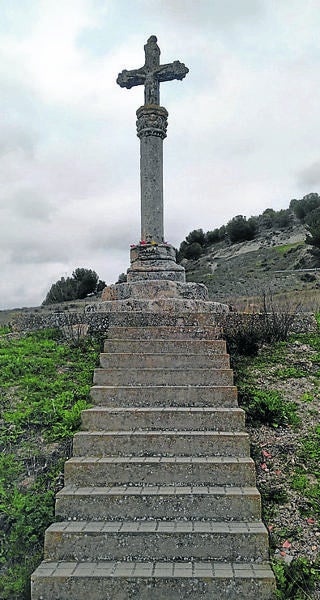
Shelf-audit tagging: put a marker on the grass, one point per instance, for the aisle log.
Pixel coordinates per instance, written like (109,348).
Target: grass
(307,298)
(306,478)
(295,466)
(44,385)
(286,247)
(4,329)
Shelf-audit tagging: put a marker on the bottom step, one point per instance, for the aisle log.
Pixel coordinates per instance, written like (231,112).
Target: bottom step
(151,581)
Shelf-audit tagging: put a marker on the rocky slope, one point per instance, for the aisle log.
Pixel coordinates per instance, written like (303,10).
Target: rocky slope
(276,261)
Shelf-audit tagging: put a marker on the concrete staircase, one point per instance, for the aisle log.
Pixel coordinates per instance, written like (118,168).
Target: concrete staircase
(159,499)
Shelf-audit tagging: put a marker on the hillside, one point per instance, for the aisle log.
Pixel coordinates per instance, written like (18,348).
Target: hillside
(277,261)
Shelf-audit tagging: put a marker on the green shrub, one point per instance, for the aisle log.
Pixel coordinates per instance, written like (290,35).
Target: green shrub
(268,407)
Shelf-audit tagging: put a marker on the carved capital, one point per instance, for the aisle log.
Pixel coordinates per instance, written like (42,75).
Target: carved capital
(152,120)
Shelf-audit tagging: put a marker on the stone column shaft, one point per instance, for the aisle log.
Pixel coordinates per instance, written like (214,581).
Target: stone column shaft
(151,170)
(151,129)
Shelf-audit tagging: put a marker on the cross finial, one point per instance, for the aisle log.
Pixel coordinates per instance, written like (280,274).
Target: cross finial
(152,73)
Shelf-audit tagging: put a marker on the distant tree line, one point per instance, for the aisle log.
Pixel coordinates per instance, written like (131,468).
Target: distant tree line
(82,283)
(240,229)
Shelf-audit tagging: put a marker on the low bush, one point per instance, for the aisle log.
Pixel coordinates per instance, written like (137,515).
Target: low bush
(245,333)
(267,407)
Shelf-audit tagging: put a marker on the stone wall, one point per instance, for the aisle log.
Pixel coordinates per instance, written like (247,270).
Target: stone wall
(99,322)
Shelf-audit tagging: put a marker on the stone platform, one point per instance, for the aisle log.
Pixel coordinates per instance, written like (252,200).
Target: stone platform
(157,296)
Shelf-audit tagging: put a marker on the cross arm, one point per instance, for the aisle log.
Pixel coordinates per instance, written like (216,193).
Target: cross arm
(129,79)
(174,70)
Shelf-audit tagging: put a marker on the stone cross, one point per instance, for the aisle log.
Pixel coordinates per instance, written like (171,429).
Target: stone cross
(152,73)
(151,129)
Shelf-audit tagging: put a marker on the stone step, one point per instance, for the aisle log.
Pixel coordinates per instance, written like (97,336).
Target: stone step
(164,443)
(164,377)
(114,580)
(145,318)
(157,470)
(158,502)
(186,418)
(135,360)
(162,332)
(202,347)
(175,395)
(156,540)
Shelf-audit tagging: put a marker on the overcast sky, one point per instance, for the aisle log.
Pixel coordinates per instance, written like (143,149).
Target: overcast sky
(243,129)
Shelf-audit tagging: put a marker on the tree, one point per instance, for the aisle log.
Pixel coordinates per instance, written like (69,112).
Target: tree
(87,281)
(313,227)
(302,208)
(197,235)
(239,229)
(193,251)
(266,220)
(282,218)
(122,278)
(217,235)
(193,246)
(63,290)
(82,283)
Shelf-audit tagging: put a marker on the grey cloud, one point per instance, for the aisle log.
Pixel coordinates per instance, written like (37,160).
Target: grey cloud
(206,13)
(310,175)
(20,117)
(14,138)
(125,231)
(28,252)
(30,204)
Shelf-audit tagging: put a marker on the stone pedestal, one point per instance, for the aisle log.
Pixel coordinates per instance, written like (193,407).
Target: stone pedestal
(154,261)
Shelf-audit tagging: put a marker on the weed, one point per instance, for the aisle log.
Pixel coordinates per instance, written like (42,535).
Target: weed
(307,397)
(309,452)
(289,373)
(268,407)
(246,333)
(4,329)
(274,493)
(297,580)
(272,496)
(299,482)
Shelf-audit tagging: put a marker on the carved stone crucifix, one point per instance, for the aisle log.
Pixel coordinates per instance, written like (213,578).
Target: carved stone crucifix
(151,129)
(152,73)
